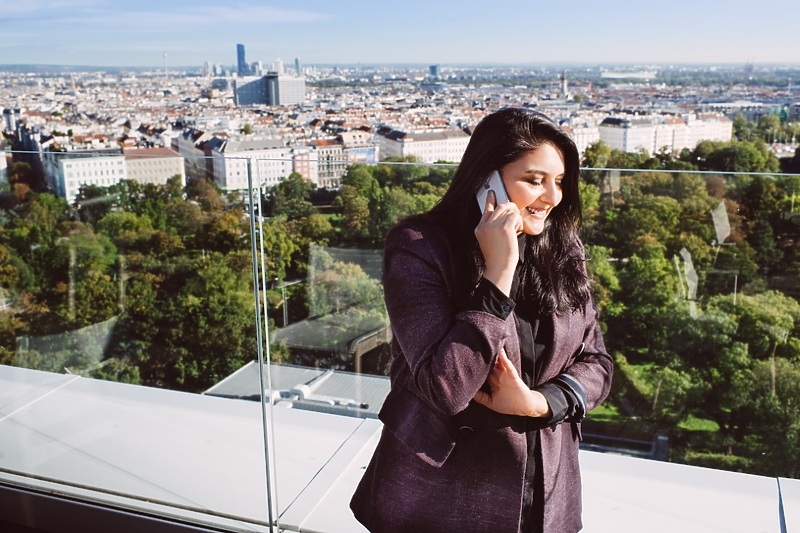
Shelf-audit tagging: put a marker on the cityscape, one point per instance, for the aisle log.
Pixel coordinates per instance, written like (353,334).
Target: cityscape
(317,119)
(146,212)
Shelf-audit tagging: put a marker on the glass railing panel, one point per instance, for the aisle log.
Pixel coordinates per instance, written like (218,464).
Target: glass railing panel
(695,275)
(160,286)
(149,284)
(698,279)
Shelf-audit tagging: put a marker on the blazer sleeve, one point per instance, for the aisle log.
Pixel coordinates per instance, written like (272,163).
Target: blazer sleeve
(591,368)
(449,352)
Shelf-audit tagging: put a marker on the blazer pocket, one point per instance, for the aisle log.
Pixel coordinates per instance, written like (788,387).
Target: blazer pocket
(427,434)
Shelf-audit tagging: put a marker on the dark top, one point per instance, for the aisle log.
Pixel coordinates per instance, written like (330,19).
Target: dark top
(535,336)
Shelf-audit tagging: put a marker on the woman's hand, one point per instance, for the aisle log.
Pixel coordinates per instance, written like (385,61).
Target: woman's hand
(497,236)
(509,394)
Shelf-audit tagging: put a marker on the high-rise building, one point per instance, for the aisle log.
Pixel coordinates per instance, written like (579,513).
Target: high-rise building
(241,63)
(434,71)
(297,68)
(285,90)
(272,89)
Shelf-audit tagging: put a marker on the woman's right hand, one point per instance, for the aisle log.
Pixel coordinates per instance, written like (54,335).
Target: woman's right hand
(509,394)
(497,236)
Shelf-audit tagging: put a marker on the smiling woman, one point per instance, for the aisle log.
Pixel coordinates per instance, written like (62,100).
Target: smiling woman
(497,351)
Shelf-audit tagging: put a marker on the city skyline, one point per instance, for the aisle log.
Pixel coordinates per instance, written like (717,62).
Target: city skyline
(184,34)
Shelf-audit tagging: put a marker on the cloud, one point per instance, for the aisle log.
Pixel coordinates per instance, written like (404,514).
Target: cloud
(10,8)
(98,14)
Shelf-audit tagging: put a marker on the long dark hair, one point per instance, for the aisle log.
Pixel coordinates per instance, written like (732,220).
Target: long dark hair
(554,277)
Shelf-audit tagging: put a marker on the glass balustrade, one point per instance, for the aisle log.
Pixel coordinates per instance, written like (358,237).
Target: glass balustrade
(234,323)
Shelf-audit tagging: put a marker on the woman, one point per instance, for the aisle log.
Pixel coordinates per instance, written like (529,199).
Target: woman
(497,351)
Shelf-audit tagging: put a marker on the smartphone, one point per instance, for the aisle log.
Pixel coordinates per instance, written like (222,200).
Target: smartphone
(495,183)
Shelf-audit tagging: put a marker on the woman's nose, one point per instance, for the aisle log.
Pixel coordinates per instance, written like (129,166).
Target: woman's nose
(552,194)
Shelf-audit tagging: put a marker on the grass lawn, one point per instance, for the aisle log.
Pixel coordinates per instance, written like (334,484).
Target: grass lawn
(692,423)
(606,412)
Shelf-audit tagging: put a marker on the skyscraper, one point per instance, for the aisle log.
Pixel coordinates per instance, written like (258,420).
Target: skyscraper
(241,64)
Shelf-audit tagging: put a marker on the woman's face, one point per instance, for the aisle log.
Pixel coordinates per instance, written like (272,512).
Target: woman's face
(533,183)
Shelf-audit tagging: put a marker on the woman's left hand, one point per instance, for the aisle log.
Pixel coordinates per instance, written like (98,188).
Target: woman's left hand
(509,394)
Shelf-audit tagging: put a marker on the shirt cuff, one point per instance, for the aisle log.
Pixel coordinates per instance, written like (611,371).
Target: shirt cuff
(566,397)
(488,298)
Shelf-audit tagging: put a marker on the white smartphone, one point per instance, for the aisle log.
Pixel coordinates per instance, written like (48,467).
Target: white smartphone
(493,182)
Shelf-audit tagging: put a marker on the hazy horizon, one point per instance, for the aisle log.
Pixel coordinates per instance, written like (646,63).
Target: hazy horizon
(426,65)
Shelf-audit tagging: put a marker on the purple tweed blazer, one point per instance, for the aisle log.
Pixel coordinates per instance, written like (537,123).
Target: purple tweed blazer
(445,463)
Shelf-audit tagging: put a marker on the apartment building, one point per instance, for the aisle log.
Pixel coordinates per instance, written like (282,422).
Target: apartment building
(154,165)
(67,171)
(708,127)
(426,146)
(269,160)
(190,144)
(335,154)
(11,119)
(359,147)
(331,162)
(670,133)
(305,162)
(583,134)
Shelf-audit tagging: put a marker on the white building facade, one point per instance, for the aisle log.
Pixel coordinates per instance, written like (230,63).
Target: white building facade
(658,133)
(3,168)
(427,147)
(270,161)
(154,165)
(584,135)
(66,172)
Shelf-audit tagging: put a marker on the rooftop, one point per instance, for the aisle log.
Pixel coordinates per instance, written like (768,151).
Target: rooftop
(200,459)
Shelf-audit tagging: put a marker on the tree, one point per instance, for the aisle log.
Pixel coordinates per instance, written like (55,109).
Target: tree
(649,287)
(360,178)
(186,220)
(735,156)
(355,213)
(401,172)
(768,127)
(292,197)
(336,286)
(123,227)
(605,282)
(206,194)
(772,417)
(187,325)
(397,204)
(596,155)
(742,128)
(22,173)
(653,217)
(224,232)
(278,248)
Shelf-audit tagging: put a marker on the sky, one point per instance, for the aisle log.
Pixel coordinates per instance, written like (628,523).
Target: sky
(445,32)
